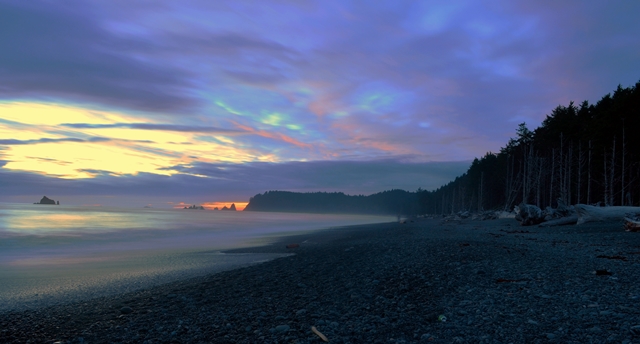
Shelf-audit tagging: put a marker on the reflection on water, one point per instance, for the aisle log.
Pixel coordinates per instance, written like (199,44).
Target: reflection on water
(62,247)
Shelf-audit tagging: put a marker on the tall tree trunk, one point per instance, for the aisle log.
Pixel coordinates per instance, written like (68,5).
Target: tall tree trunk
(589,176)
(553,168)
(613,171)
(580,163)
(622,195)
(480,193)
(606,178)
(569,167)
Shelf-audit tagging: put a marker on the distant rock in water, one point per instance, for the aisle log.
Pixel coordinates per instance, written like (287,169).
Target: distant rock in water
(232,208)
(47,200)
(195,207)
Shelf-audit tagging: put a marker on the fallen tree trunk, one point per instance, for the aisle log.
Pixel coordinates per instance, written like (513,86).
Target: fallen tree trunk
(589,213)
(567,220)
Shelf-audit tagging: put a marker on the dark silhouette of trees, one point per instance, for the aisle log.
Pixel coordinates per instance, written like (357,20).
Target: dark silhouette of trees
(581,154)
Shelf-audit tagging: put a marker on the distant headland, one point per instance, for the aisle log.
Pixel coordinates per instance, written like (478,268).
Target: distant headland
(47,200)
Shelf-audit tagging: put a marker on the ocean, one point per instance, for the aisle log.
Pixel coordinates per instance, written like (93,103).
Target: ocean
(51,254)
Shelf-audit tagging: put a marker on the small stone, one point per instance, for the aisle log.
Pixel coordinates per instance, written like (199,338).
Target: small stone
(280,317)
(282,328)
(551,336)
(425,336)
(248,328)
(301,312)
(334,324)
(532,322)
(126,310)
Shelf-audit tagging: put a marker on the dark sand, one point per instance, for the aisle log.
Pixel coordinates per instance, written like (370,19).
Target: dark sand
(494,281)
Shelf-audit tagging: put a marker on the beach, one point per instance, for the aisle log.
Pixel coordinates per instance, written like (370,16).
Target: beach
(431,281)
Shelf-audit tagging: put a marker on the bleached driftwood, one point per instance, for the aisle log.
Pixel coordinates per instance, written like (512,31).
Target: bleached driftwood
(567,220)
(632,223)
(529,214)
(589,213)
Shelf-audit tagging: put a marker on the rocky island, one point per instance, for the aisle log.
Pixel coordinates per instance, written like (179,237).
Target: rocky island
(47,200)
(231,208)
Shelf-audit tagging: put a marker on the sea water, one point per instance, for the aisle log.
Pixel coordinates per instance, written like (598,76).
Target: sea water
(51,253)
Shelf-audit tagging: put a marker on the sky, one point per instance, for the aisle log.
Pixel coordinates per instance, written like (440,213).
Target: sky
(166,103)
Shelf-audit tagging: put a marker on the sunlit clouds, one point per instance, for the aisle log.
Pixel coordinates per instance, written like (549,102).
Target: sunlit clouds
(177,94)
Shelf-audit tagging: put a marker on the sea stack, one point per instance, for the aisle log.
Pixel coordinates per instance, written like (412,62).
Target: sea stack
(47,200)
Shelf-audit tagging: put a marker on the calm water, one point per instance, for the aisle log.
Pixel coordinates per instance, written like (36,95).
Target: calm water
(51,254)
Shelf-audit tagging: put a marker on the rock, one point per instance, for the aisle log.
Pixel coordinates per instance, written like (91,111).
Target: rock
(126,310)
(282,328)
(301,312)
(232,208)
(46,200)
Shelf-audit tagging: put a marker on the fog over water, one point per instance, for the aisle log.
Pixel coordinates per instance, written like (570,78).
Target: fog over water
(51,254)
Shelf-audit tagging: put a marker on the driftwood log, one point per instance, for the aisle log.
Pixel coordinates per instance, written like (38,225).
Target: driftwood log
(589,213)
(632,223)
(567,220)
(529,214)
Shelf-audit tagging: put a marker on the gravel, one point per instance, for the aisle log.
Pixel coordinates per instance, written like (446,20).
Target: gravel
(490,281)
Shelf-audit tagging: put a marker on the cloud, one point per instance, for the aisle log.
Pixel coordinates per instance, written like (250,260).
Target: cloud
(49,140)
(151,126)
(10,142)
(58,51)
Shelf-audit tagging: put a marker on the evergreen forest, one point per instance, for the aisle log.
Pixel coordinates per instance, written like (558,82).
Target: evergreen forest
(586,153)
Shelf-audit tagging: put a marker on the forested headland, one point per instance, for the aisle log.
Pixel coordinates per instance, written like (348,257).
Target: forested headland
(586,153)
(387,202)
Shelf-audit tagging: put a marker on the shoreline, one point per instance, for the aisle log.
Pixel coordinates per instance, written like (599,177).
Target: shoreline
(493,280)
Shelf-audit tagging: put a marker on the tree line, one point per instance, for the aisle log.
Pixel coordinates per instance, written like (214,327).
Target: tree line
(393,202)
(582,153)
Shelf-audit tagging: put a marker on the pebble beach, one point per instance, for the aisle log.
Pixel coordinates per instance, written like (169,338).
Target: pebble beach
(426,281)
